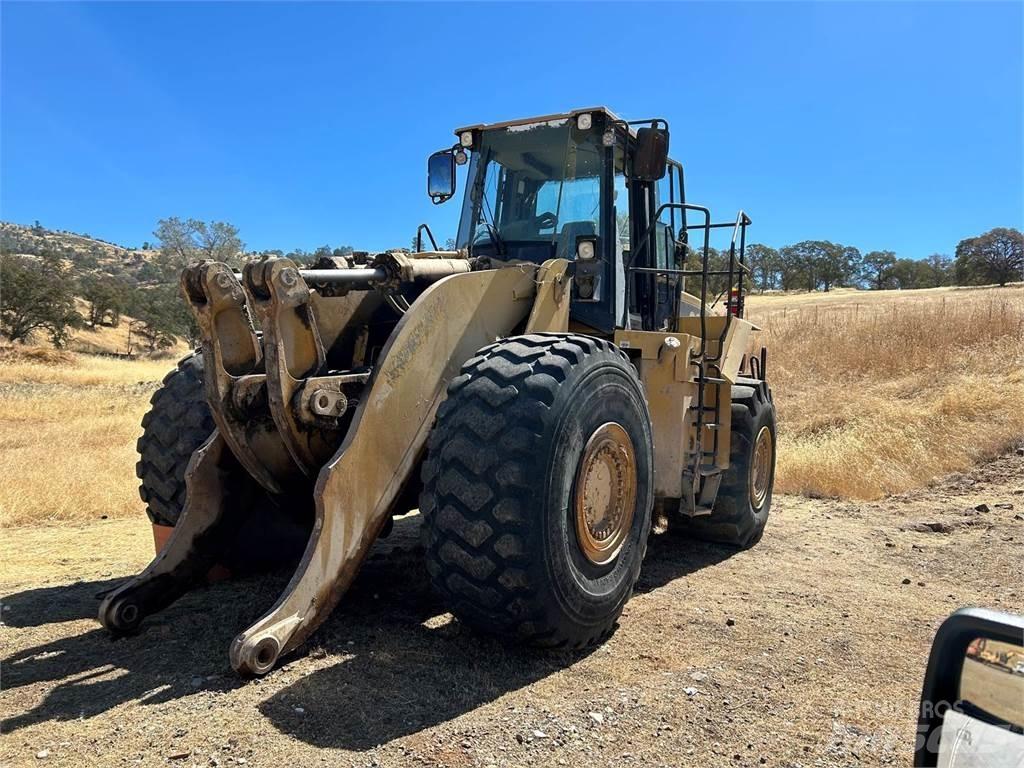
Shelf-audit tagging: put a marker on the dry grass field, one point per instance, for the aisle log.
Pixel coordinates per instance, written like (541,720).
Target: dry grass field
(881,392)
(877,393)
(68,425)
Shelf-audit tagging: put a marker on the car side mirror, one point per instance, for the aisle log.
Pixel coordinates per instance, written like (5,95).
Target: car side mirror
(651,159)
(972,703)
(441,176)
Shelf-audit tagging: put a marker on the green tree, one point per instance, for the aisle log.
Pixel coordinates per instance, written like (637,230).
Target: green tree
(907,274)
(105,296)
(838,265)
(940,270)
(876,268)
(37,295)
(162,312)
(764,266)
(994,257)
(801,262)
(182,242)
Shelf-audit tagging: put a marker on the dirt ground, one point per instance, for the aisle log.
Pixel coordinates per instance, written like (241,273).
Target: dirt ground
(807,650)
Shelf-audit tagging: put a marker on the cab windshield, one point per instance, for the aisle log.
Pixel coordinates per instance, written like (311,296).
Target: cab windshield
(533,189)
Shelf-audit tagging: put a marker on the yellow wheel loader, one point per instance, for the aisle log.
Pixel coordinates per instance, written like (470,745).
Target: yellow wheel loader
(572,376)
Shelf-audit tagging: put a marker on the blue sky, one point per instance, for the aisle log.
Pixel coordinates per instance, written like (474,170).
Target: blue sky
(880,125)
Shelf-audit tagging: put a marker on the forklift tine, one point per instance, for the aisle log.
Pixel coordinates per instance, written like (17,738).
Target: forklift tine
(206,524)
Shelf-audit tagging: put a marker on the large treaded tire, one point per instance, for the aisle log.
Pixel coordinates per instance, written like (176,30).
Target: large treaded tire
(734,520)
(178,422)
(498,484)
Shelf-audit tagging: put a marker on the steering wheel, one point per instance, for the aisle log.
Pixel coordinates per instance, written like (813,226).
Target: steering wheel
(546,220)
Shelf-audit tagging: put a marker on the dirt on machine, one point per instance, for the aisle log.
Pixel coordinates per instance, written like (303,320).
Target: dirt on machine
(575,375)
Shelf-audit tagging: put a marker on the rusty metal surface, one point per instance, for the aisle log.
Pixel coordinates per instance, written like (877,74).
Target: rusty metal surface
(233,376)
(605,495)
(405,268)
(761,468)
(446,325)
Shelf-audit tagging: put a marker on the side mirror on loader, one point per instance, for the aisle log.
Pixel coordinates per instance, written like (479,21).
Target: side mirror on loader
(441,176)
(651,159)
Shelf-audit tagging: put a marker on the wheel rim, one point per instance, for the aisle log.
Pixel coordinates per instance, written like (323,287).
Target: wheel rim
(761,468)
(605,498)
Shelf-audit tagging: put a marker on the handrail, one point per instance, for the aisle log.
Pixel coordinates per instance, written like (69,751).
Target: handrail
(419,238)
(739,228)
(735,272)
(644,244)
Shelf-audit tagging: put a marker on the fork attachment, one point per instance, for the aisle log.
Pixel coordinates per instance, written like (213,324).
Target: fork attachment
(324,419)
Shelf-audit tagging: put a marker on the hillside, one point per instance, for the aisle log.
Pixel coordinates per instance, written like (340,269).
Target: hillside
(85,254)
(126,280)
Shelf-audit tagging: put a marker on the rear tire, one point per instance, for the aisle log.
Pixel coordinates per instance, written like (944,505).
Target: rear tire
(530,421)
(741,509)
(178,422)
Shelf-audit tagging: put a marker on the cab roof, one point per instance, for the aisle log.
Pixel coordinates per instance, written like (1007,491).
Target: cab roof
(556,118)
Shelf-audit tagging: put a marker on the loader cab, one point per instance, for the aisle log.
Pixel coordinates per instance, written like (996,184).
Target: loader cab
(579,186)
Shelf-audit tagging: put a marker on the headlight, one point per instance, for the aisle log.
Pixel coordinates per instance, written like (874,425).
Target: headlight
(466,139)
(585,250)
(583,121)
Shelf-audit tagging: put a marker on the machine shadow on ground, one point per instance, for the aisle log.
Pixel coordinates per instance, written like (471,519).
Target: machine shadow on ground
(405,665)
(409,670)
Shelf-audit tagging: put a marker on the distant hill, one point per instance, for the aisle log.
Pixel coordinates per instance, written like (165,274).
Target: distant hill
(87,255)
(133,269)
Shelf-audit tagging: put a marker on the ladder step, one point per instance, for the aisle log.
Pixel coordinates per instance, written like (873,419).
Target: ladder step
(712,380)
(709,469)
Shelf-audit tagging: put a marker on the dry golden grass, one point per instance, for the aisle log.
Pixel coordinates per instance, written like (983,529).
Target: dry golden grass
(885,391)
(68,425)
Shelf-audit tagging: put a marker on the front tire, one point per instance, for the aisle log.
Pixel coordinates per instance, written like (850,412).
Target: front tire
(538,489)
(178,422)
